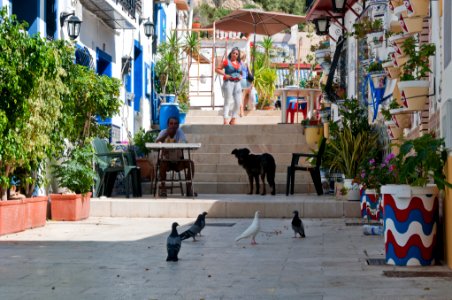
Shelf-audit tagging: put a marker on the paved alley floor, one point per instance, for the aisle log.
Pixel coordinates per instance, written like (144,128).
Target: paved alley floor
(124,258)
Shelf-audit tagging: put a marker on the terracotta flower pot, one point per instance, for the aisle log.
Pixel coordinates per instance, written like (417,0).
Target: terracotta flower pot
(392,71)
(410,218)
(414,94)
(70,207)
(401,117)
(36,211)
(313,134)
(417,8)
(394,131)
(12,216)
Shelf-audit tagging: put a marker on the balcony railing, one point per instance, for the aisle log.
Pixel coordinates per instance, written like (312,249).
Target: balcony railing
(129,6)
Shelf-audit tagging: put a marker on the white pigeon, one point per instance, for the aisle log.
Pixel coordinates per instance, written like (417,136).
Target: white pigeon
(251,231)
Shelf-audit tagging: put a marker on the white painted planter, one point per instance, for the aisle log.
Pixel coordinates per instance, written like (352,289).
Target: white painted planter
(321,54)
(414,94)
(352,190)
(375,39)
(410,218)
(417,8)
(397,40)
(378,79)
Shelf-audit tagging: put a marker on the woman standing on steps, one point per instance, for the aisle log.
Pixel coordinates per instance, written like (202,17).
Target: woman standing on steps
(231,70)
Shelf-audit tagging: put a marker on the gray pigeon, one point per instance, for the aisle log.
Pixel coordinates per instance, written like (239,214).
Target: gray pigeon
(203,221)
(297,225)
(251,231)
(193,230)
(173,243)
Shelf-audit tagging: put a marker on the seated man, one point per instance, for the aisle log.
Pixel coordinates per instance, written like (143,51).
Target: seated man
(171,159)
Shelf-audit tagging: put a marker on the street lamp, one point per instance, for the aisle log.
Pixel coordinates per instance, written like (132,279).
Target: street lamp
(73,24)
(148,27)
(322,25)
(339,5)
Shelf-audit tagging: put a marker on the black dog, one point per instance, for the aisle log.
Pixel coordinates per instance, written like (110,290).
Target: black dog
(255,165)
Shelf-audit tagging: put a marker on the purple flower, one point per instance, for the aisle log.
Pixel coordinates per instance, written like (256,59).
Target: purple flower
(372,161)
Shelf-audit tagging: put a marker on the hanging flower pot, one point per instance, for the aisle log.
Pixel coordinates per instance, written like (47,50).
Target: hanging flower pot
(410,218)
(375,39)
(397,41)
(401,117)
(395,27)
(378,79)
(414,94)
(417,8)
(396,95)
(392,71)
(398,60)
(394,131)
(323,55)
(409,24)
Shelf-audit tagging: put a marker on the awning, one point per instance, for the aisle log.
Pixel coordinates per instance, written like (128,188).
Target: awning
(319,8)
(114,15)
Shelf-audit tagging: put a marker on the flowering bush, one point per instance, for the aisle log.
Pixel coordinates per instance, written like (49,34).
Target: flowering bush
(375,174)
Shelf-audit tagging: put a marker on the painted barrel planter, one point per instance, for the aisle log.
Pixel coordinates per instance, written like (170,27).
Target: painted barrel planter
(410,218)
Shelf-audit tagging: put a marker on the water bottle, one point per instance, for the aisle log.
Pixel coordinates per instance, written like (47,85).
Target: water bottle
(373,230)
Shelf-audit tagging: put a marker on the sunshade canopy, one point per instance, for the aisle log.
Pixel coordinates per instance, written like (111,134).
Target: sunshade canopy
(257,21)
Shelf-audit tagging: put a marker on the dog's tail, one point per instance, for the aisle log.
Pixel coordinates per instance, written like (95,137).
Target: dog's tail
(270,167)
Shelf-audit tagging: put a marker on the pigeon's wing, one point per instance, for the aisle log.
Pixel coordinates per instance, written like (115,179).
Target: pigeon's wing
(250,231)
(296,221)
(191,232)
(173,245)
(302,229)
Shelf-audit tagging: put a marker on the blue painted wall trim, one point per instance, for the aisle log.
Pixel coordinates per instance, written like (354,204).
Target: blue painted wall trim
(28,12)
(138,75)
(103,67)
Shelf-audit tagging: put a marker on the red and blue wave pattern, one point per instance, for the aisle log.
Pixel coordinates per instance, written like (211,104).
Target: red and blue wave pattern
(410,229)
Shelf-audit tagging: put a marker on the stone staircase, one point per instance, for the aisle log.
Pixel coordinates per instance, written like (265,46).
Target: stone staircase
(217,170)
(215,117)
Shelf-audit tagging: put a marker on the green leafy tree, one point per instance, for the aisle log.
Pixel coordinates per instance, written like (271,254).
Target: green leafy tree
(31,86)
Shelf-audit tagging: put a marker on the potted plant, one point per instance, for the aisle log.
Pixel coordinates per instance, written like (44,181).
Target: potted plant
(410,24)
(377,74)
(264,75)
(413,87)
(375,173)
(365,26)
(419,175)
(350,143)
(417,8)
(312,130)
(76,174)
(144,161)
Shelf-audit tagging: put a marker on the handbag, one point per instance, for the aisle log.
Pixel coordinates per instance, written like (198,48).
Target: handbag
(249,77)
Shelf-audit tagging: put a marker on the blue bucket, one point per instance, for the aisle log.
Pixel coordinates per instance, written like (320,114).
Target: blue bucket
(182,116)
(167,110)
(170,98)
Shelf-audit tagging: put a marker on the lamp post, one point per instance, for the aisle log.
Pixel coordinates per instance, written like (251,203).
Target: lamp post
(73,24)
(322,25)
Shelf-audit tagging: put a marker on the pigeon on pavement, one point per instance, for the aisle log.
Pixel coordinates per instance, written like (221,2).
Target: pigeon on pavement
(251,231)
(173,243)
(297,225)
(193,230)
(203,221)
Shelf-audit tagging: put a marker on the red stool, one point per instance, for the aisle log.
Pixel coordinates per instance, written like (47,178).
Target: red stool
(295,106)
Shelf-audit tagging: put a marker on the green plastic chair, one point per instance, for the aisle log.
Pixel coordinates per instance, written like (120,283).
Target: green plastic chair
(109,164)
